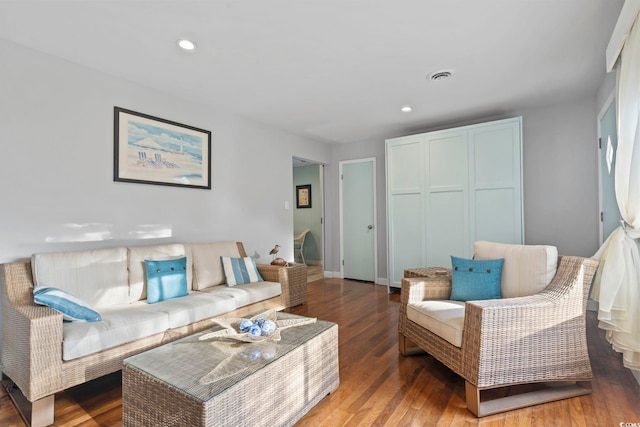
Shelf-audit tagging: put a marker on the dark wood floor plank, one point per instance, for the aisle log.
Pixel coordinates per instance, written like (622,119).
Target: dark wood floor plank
(379,387)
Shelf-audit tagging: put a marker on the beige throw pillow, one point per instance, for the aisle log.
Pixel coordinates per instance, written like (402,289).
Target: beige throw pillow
(527,269)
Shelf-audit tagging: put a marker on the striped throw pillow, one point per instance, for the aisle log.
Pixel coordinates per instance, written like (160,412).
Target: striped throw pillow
(240,271)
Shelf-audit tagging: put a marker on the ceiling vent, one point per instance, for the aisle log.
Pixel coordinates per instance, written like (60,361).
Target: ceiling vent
(440,75)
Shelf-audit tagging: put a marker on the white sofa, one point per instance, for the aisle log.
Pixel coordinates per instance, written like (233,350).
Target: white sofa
(42,355)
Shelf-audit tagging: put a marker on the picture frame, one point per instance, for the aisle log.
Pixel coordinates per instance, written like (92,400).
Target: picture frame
(151,150)
(303,196)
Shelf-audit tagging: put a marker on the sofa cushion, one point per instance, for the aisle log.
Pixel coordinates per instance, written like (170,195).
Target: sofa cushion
(527,269)
(207,267)
(475,279)
(166,279)
(249,293)
(137,272)
(99,277)
(195,307)
(240,271)
(442,317)
(118,326)
(72,308)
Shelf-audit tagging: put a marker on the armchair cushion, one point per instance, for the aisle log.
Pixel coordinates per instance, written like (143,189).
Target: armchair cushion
(475,280)
(442,317)
(527,269)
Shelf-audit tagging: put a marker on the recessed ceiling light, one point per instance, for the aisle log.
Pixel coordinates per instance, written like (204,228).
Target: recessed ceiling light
(441,75)
(187,45)
(406,109)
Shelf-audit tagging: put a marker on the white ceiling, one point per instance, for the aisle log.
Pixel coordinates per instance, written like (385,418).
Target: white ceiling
(335,70)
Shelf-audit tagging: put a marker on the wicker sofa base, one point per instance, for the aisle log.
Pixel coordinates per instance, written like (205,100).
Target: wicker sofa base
(40,412)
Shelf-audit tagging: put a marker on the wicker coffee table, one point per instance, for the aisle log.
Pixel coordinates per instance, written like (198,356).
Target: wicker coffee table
(221,382)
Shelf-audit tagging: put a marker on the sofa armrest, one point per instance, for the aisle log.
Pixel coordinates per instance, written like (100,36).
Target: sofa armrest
(272,273)
(31,335)
(533,338)
(293,281)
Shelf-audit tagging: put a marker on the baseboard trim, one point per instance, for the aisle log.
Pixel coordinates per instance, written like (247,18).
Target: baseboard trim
(333,274)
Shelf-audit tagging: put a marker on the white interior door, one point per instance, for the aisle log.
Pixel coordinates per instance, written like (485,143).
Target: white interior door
(358,219)
(610,214)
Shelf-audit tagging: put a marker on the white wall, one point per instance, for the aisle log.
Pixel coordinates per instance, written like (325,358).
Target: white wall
(56,175)
(560,178)
(352,152)
(56,122)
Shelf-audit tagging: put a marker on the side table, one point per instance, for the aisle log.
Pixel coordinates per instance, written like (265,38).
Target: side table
(293,279)
(442,273)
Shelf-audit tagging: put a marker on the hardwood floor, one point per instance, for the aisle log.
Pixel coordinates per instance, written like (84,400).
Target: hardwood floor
(314,272)
(379,387)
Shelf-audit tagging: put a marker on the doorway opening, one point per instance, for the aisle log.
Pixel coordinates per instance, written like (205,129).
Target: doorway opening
(308,216)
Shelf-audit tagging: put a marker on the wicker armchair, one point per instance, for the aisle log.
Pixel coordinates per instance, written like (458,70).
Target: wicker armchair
(539,338)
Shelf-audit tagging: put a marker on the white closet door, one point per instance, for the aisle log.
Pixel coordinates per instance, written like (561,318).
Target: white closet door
(448,189)
(405,220)
(496,183)
(447,197)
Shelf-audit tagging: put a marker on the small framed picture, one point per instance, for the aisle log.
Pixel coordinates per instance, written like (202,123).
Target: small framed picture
(151,150)
(303,196)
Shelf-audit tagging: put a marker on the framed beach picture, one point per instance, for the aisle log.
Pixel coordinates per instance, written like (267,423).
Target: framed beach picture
(150,150)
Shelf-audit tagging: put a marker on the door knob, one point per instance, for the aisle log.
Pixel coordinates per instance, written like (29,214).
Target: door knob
(370,227)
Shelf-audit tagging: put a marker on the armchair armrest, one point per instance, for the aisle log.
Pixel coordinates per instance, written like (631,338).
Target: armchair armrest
(31,335)
(541,337)
(416,289)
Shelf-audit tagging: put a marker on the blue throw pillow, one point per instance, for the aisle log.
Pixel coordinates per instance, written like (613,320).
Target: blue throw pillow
(166,279)
(240,271)
(72,308)
(475,279)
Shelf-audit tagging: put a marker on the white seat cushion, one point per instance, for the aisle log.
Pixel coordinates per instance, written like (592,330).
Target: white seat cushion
(527,269)
(249,293)
(444,318)
(99,277)
(197,306)
(118,326)
(207,267)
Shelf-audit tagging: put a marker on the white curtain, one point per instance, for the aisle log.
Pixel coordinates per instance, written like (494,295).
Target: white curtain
(617,282)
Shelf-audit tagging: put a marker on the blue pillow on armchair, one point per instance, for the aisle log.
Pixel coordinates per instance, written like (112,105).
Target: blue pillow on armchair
(475,279)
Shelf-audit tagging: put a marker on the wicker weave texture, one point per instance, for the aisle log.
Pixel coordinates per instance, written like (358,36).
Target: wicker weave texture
(32,339)
(277,395)
(293,280)
(538,338)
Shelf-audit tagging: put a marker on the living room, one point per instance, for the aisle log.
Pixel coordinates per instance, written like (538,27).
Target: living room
(57,117)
